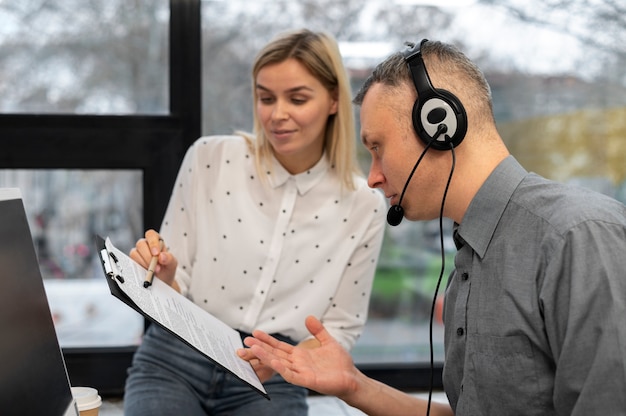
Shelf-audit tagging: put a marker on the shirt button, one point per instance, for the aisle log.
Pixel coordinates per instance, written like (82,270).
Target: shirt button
(460,331)
(465,276)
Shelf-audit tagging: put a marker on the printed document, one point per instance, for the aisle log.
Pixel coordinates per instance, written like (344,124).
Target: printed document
(166,307)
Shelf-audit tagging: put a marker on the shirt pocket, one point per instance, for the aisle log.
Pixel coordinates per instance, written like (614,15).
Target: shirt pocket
(501,377)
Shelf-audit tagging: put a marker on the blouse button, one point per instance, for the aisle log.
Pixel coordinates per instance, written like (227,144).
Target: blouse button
(465,276)
(460,331)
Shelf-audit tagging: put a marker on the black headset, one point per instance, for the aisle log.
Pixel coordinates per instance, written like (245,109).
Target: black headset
(440,121)
(439,118)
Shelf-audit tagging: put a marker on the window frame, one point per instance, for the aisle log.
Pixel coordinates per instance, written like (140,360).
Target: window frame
(153,144)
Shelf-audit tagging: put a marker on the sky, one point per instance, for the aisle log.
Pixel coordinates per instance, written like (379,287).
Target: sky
(532,48)
(538,50)
(525,47)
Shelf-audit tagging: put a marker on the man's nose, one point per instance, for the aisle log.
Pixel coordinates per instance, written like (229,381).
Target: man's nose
(375,178)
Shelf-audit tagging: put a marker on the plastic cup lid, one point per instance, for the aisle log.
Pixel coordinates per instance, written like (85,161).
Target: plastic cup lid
(86,398)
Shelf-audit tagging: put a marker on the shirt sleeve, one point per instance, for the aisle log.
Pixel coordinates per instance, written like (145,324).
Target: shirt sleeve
(585,314)
(179,219)
(346,317)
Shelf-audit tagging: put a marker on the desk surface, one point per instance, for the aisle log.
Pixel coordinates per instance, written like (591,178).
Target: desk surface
(318,406)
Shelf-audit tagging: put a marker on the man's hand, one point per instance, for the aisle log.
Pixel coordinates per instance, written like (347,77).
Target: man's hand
(327,369)
(263,371)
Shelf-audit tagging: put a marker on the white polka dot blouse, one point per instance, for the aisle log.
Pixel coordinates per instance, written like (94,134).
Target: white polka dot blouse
(267,253)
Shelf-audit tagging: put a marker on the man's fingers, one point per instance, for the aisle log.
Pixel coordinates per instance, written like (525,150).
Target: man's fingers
(262,336)
(317,329)
(245,354)
(277,357)
(271,341)
(270,349)
(273,360)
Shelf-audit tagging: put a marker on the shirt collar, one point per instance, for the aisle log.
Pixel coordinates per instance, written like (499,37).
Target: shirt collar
(484,212)
(305,181)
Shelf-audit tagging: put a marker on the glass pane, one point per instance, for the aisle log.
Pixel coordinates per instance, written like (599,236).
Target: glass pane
(84,57)
(65,210)
(559,96)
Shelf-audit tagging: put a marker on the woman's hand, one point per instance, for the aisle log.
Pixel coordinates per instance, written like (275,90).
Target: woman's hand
(149,246)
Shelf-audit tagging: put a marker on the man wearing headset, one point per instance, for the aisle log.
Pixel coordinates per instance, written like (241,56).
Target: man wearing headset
(535,310)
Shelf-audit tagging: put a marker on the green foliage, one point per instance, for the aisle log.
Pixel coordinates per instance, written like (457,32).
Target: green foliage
(391,283)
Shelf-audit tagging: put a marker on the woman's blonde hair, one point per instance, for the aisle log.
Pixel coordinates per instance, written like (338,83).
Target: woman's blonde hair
(319,54)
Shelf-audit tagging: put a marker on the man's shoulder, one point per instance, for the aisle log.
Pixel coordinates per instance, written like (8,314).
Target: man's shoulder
(565,206)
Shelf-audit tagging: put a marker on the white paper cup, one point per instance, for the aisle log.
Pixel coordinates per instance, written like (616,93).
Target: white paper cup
(87,400)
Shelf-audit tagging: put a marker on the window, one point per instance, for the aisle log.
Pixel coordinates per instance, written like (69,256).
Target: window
(84,57)
(65,208)
(99,102)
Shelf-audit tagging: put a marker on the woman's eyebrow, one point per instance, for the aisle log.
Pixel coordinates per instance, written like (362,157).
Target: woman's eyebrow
(290,90)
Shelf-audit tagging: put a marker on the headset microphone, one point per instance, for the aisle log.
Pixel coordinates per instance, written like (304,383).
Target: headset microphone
(396,212)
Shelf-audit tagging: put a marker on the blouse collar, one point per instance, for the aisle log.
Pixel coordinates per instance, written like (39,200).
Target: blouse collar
(305,181)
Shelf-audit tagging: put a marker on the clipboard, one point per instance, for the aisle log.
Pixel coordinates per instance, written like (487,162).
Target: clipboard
(173,312)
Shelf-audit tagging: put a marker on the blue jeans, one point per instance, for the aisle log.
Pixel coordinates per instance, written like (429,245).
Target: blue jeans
(168,377)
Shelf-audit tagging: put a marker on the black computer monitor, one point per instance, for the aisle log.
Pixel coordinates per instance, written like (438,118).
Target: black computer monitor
(33,376)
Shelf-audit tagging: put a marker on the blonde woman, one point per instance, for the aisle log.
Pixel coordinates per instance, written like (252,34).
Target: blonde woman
(262,230)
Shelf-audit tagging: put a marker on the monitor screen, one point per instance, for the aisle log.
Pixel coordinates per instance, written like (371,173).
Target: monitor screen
(33,377)
(66,209)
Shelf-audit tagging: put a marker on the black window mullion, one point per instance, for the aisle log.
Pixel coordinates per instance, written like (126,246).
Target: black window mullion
(154,144)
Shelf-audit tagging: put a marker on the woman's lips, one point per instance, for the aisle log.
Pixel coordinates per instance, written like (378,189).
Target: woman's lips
(282,134)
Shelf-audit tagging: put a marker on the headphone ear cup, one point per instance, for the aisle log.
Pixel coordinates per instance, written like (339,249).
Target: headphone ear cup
(440,108)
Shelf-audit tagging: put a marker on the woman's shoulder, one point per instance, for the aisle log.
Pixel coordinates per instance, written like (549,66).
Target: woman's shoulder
(210,149)
(219,145)
(369,195)
(220,141)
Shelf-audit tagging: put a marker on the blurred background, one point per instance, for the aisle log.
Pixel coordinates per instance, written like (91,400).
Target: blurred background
(555,68)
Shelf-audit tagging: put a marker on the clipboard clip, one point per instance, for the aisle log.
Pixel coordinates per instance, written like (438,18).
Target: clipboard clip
(105,255)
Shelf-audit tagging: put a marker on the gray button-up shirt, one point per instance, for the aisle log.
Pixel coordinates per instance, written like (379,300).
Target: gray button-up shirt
(535,311)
